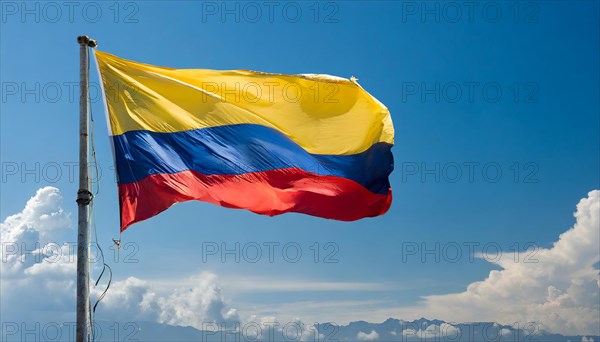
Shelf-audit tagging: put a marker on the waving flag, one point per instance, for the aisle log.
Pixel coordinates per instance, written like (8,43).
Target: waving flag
(269,143)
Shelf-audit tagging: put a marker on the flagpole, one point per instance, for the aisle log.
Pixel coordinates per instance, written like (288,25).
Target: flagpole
(84,197)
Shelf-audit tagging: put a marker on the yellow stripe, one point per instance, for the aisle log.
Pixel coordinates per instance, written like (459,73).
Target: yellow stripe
(321,113)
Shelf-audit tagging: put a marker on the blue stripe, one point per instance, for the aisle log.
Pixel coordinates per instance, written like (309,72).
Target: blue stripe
(239,149)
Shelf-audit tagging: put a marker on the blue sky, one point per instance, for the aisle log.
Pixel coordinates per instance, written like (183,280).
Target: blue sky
(532,114)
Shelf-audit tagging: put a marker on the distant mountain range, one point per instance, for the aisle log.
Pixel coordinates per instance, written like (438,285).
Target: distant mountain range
(389,330)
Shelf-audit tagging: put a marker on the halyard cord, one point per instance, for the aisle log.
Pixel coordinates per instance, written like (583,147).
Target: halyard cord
(93,218)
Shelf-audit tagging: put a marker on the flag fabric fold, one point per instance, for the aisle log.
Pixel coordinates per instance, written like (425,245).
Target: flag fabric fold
(269,143)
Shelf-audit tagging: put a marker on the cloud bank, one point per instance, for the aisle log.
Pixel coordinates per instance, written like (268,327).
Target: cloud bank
(373,335)
(37,269)
(38,276)
(559,287)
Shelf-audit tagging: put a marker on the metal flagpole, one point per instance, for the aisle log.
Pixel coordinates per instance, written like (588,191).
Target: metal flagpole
(84,197)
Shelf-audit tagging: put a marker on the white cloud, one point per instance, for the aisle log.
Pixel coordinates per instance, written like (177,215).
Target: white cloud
(127,300)
(434,331)
(450,331)
(42,214)
(36,234)
(35,259)
(558,287)
(192,305)
(195,305)
(505,332)
(310,333)
(38,276)
(373,335)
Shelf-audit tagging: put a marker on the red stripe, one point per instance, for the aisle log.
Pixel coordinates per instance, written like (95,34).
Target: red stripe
(270,193)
